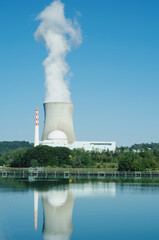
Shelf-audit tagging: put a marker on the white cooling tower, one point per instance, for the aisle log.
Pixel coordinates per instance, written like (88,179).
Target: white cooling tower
(58,121)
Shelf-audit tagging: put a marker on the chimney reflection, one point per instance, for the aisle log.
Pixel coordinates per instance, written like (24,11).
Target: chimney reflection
(35,209)
(58,207)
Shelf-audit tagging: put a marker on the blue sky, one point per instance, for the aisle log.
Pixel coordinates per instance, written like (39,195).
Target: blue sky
(115,78)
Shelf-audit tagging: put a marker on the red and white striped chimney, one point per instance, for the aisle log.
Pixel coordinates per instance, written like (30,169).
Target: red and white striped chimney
(36,140)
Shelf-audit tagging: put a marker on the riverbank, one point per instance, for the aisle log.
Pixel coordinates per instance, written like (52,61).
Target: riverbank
(73,173)
(58,157)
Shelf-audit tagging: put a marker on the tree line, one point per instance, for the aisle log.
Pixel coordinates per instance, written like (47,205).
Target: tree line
(123,159)
(7,146)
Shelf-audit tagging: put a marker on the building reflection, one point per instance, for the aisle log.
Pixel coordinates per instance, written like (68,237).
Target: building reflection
(58,207)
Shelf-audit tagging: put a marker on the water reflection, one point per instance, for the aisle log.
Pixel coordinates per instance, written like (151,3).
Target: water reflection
(81,209)
(58,207)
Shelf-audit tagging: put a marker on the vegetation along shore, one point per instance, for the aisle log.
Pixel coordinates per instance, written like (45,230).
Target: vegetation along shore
(138,157)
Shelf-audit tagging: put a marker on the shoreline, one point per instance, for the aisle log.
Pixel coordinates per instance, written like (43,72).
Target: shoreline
(73,173)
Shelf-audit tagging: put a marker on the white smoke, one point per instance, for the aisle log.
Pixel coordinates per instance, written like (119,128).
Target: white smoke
(60,35)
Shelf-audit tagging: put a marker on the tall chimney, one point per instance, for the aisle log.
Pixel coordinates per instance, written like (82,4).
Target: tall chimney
(36,139)
(59,116)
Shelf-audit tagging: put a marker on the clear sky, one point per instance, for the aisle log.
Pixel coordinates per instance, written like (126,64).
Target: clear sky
(115,78)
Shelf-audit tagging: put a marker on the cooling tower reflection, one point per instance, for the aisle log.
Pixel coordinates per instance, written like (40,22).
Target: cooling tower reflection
(58,207)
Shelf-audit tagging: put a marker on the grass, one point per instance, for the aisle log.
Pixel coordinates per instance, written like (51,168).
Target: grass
(106,167)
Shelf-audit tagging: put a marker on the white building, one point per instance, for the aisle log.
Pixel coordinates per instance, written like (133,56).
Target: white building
(59,139)
(97,146)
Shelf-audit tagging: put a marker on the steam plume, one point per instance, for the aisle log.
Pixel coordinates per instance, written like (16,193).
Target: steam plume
(60,35)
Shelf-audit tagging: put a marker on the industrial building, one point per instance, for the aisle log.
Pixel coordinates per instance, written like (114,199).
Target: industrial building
(58,129)
(87,145)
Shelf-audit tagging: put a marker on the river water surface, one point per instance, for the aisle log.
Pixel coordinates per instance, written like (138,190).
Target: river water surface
(72,210)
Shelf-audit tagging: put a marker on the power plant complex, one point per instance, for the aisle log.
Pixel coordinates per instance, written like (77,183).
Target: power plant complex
(59,131)
(60,35)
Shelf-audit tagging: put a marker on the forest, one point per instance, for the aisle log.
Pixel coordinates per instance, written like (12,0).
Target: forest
(6,147)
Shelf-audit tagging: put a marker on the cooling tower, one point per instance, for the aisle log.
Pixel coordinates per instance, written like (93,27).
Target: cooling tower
(59,116)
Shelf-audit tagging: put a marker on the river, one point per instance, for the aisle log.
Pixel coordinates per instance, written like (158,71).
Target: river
(79,209)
